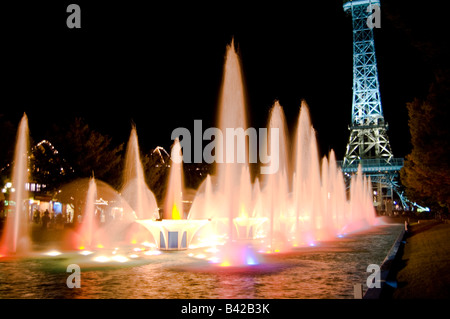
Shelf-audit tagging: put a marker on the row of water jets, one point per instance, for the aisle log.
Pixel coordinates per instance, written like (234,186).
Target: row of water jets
(305,201)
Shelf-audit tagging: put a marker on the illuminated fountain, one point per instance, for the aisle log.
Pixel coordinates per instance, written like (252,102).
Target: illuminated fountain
(135,191)
(303,202)
(232,213)
(16,239)
(88,229)
(275,194)
(174,232)
(105,217)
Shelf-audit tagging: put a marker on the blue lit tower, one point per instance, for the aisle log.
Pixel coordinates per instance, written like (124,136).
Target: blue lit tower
(368,143)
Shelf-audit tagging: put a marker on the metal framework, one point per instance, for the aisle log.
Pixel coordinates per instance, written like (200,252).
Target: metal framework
(368,130)
(368,144)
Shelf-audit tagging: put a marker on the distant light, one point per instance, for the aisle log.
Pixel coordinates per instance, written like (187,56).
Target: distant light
(250,261)
(134,256)
(214,260)
(340,236)
(53,253)
(152,253)
(226,263)
(312,244)
(86,252)
(120,259)
(101,259)
(8,185)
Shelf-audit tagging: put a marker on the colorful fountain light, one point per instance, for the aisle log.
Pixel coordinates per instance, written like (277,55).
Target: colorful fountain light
(305,201)
(16,239)
(174,232)
(135,190)
(88,228)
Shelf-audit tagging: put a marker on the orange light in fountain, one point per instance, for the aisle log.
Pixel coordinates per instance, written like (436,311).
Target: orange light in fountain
(243,213)
(100,246)
(173,203)
(81,247)
(175,212)
(225,263)
(134,241)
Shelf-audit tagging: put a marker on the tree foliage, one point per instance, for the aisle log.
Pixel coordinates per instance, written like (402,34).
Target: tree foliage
(90,153)
(47,167)
(156,171)
(426,173)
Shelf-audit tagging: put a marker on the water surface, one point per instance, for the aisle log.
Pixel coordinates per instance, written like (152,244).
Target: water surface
(328,270)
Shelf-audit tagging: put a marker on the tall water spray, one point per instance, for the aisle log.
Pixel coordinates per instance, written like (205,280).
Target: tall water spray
(173,205)
(135,190)
(276,186)
(233,177)
(15,237)
(304,201)
(88,228)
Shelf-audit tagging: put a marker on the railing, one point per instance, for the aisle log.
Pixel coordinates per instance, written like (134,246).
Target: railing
(372,165)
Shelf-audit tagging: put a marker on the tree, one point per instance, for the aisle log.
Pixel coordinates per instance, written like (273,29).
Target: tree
(90,153)
(47,167)
(156,172)
(426,172)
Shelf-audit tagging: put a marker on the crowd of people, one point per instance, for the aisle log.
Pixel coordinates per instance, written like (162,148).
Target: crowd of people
(46,221)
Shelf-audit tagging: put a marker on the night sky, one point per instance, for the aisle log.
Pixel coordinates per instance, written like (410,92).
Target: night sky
(160,65)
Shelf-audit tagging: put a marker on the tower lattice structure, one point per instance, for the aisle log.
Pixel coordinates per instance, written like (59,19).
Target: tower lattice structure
(368,144)
(368,130)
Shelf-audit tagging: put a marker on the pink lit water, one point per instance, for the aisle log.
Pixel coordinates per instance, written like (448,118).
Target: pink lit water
(328,270)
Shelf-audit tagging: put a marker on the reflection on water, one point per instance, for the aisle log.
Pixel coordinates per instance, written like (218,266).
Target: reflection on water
(328,270)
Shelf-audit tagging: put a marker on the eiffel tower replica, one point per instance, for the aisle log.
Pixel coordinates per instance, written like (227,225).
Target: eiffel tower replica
(368,144)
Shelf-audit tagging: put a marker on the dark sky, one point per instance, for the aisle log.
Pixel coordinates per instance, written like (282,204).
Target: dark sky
(159,65)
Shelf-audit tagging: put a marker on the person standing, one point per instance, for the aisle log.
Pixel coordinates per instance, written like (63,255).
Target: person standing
(45,219)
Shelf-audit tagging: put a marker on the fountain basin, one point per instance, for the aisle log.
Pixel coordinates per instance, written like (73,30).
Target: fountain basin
(173,234)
